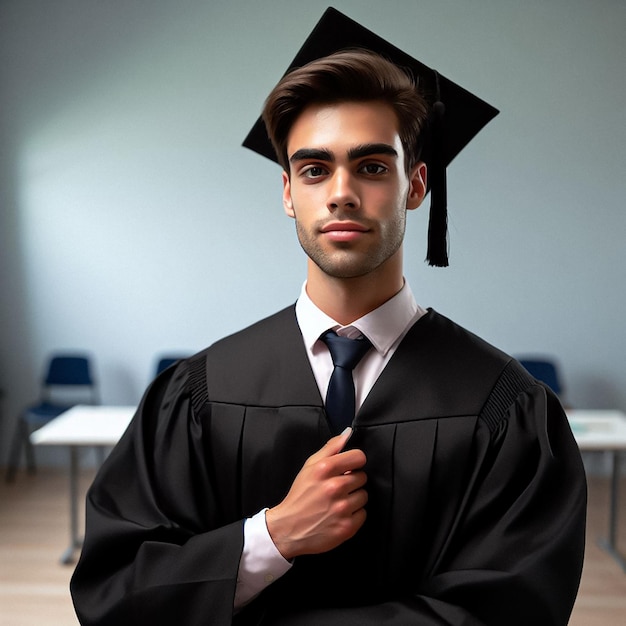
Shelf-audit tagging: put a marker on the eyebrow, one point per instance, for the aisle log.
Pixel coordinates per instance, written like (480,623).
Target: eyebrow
(311,154)
(369,149)
(357,152)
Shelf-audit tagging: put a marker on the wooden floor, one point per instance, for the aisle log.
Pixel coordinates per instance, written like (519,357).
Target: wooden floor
(34,523)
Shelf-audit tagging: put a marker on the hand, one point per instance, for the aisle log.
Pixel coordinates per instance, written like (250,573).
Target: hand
(324,506)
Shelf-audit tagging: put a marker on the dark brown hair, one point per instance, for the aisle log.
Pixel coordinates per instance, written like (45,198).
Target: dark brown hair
(347,76)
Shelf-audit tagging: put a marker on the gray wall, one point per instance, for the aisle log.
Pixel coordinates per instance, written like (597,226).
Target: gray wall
(132,222)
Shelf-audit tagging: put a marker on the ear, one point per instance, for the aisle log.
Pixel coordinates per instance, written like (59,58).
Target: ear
(417,186)
(287,200)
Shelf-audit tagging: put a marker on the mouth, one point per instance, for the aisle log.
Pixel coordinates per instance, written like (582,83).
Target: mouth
(334,227)
(343,231)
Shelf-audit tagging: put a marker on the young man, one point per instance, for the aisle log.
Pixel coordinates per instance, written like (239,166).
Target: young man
(455,496)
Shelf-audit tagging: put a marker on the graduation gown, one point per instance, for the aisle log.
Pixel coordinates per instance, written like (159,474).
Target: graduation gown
(477,496)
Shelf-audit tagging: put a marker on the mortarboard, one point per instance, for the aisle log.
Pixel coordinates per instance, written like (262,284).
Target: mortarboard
(456,115)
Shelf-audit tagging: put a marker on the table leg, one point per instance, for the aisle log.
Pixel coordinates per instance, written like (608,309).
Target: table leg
(610,543)
(75,541)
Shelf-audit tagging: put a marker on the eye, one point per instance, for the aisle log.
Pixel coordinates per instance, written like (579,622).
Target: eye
(373,169)
(313,171)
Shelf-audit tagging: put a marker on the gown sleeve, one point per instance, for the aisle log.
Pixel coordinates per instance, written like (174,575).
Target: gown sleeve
(155,551)
(515,550)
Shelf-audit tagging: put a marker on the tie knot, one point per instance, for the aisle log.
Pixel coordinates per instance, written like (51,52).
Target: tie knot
(345,352)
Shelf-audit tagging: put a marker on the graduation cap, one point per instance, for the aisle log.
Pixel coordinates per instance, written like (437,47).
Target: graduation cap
(455,117)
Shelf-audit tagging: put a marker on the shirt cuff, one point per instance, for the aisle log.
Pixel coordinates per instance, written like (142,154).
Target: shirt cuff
(261,563)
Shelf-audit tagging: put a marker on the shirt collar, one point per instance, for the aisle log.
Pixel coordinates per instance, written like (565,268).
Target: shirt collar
(382,326)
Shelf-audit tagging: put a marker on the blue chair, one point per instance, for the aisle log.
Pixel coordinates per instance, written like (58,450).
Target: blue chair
(68,380)
(544,370)
(165,361)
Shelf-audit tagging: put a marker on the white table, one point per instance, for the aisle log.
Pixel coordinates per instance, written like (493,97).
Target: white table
(83,426)
(604,431)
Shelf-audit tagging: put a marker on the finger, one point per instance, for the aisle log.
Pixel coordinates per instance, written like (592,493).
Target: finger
(350,483)
(348,461)
(356,480)
(356,519)
(338,442)
(357,500)
(333,446)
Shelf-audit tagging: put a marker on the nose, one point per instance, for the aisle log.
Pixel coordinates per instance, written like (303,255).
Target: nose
(342,192)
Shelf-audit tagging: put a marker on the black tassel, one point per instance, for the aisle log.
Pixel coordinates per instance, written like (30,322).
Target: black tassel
(437,254)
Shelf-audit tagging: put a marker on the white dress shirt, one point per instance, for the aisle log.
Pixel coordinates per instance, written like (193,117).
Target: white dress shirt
(261,563)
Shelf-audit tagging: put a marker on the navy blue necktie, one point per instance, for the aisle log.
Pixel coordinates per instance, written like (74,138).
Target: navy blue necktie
(346,353)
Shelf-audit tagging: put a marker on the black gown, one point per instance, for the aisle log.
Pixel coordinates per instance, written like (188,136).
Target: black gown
(477,493)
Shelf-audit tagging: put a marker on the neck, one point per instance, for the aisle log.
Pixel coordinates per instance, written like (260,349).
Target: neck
(348,299)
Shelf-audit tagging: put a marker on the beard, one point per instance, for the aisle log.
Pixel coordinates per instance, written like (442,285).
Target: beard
(349,259)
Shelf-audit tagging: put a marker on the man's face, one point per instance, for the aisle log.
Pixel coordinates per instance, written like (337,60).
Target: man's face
(348,188)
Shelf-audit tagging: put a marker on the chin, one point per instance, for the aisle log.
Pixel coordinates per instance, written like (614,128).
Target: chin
(347,269)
